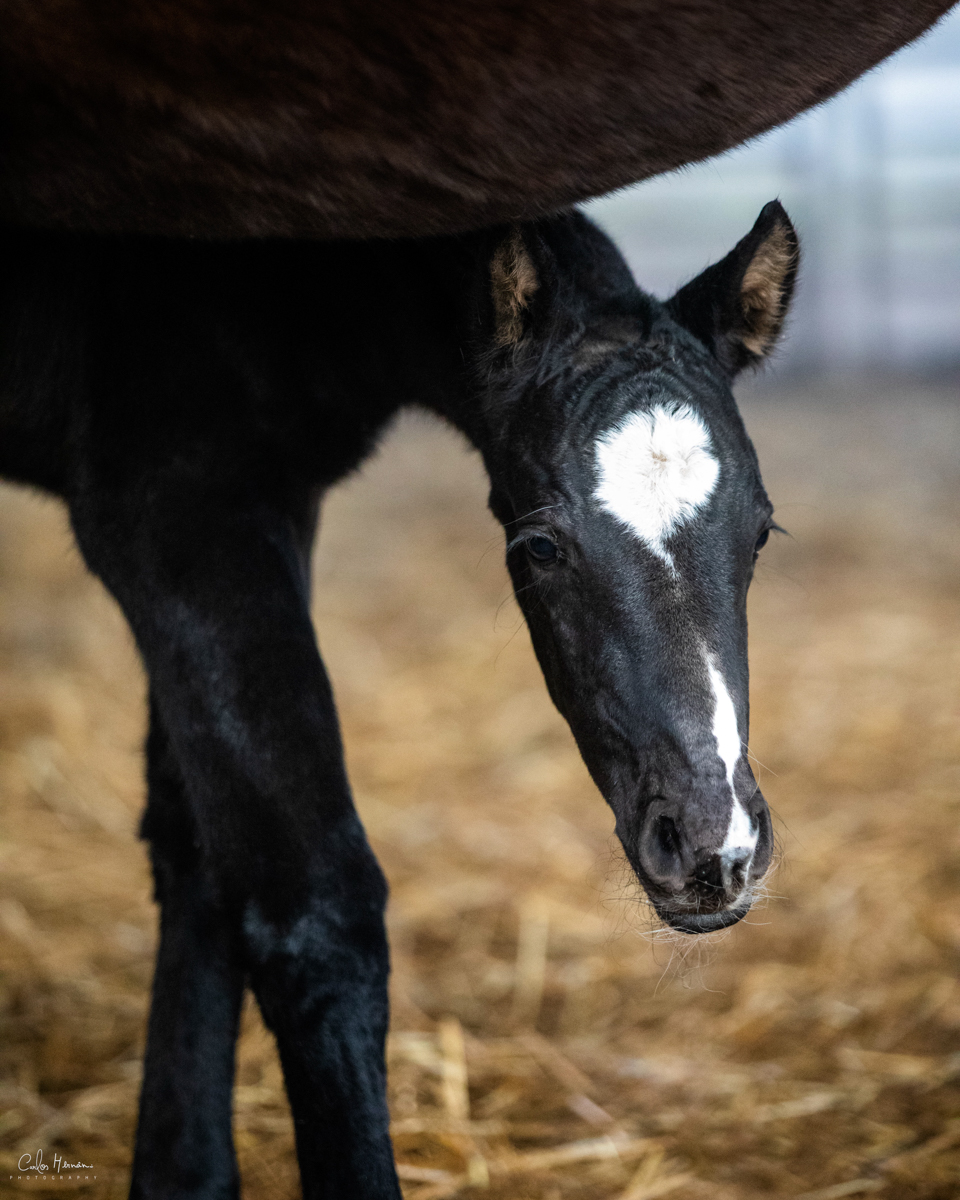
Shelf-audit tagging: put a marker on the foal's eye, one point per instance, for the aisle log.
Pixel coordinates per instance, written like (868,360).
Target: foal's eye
(764,537)
(542,550)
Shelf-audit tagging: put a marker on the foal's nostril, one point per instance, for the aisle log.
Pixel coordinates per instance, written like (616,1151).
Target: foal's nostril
(733,868)
(668,836)
(661,853)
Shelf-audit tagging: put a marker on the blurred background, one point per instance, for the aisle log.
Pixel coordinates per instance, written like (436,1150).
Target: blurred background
(547,1041)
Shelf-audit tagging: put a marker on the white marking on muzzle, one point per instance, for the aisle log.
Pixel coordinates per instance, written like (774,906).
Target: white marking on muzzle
(656,470)
(741,839)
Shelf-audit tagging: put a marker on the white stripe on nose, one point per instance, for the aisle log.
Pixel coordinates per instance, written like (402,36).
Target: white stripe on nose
(741,839)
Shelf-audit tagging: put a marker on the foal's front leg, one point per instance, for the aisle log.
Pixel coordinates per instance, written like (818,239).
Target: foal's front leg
(213,583)
(184,1144)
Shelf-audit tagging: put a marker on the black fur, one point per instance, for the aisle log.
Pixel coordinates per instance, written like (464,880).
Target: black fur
(191,403)
(711,307)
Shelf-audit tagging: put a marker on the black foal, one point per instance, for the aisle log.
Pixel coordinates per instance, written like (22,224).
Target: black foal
(191,402)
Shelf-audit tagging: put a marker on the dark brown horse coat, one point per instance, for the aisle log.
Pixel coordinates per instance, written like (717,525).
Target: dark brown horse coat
(360,118)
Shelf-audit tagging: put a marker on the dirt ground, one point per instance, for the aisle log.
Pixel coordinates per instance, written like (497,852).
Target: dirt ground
(547,1042)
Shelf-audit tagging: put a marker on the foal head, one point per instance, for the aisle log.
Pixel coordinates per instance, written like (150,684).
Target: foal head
(634,513)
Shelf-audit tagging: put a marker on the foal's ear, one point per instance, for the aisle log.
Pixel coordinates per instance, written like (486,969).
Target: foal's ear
(513,282)
(737,306)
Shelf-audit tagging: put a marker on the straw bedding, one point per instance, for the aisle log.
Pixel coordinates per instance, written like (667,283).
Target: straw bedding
(547,1042)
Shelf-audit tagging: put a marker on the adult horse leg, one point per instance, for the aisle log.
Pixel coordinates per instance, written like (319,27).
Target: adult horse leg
(281,883)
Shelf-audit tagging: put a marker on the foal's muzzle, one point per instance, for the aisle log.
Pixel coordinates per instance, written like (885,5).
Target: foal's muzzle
(695,882)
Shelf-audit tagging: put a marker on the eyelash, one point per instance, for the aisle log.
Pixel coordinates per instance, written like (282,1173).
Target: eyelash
(764,536)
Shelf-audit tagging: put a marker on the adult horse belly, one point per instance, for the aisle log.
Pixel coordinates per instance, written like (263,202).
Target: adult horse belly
(368,118)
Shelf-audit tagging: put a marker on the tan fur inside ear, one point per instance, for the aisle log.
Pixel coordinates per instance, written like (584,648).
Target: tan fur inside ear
(513,281)
(761,293)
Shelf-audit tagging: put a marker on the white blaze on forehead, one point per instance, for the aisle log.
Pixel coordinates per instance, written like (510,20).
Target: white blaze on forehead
(655,470)
(741,837)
